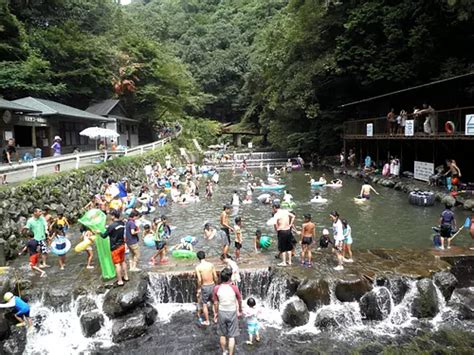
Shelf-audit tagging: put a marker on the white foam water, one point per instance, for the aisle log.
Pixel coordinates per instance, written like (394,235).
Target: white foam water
(59,332)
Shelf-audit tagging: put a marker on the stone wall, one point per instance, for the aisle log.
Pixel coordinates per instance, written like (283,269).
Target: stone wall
(68,192)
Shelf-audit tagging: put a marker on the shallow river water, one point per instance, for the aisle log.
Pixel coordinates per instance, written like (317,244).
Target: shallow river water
(386,221)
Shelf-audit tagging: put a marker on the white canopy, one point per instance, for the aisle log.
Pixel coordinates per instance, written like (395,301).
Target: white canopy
(98,132)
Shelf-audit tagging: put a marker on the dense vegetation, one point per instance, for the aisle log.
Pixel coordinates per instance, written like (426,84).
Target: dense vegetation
(282,66)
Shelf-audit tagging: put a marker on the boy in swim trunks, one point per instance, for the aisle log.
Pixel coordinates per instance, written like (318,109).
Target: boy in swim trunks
(33,250)
(225,229)
(206,279)
(161,234)
(365,190)
(308,232)
(238,237)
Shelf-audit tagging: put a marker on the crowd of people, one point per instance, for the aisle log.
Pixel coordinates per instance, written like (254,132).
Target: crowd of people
(425,120)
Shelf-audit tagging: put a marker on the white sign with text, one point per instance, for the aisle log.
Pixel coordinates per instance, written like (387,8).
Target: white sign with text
(409,128)
(370,129)
(469,125)
(423,170)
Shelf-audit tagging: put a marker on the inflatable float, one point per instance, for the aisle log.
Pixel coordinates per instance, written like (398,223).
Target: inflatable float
(317,184)
(360,200)
(95,220)
(270,187)
(84,244)
(287,205)
(263,197)
(183,254)
(319,199)
(265,242)
(332,185)
(149,241)
(60,246)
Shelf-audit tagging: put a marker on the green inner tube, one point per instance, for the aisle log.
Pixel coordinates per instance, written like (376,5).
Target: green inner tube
(183,254)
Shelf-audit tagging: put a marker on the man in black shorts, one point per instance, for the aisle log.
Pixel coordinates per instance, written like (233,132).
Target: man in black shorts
(226,229)
(283,224)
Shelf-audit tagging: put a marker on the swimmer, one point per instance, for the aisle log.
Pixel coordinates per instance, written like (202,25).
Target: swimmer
(336,182)
(257,246)
(235,199)
(308,232)
(186,243)
(22,308)
(287,197)
(209,231)
(365,190)
(322,179)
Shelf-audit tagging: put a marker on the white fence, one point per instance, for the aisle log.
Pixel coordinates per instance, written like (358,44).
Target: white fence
(31,168)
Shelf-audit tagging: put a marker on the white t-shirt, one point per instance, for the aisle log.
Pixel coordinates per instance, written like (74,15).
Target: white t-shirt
(287,198)
(235,200)
(338,231)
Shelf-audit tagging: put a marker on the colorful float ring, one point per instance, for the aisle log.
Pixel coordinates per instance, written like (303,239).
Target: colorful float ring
(60,246)
(270,187)
(149,241)
(265,242)
(290,204)
(317,184)
(79,248)
(333,185)
(449,127)
(183,254)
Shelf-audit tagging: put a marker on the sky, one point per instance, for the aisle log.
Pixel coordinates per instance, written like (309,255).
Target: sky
(126,2)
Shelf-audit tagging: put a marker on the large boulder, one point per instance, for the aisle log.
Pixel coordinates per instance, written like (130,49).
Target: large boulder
(124,299)
(336,316)
(448,200)
(16,343)
(426,303)
(295,312)
(446,283)
(469,204)
(376,304)
(387,183)
(85,304)
(397,285)
(4,328)
(462,300)
(91,322)
(58,298)
(129,327)
(315,293)
(353,290)
(150,314)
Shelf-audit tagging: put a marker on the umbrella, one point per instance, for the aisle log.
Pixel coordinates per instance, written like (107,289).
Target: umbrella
(98,132)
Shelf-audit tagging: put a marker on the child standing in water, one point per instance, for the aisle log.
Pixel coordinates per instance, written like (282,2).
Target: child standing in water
(33,250)
(253,326)
(308,232)
(238,237)
(86,236)
(257,246)
(59,238)
(347,242)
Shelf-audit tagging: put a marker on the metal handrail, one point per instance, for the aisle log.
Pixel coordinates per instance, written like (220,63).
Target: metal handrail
(34,164)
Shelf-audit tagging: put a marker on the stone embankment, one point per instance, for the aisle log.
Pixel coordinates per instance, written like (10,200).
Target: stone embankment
(408,185)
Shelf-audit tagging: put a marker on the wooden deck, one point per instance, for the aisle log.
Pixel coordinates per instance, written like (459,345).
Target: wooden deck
(417,136)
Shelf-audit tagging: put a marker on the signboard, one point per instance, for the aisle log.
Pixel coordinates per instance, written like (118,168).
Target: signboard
(370,129)
(250,145)
(469,125)
(423,170)
(409,128)
(32,119)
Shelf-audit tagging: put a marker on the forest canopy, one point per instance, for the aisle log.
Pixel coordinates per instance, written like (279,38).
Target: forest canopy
(281,66)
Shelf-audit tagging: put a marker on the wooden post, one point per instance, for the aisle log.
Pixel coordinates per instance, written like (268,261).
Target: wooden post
(377,142)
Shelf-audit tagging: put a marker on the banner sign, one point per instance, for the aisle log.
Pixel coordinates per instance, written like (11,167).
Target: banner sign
(423,170)
(370,129)
(409,128)
(469,125)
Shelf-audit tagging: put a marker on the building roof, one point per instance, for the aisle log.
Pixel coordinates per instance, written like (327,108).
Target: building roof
(13,106)
(103,108)
(125,119)
(51,108)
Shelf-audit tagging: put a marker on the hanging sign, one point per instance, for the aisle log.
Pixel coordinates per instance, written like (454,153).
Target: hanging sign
(370,129)
(410,128)
(469,125)
(423,170)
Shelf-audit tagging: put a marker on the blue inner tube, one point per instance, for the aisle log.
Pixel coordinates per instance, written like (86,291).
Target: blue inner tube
(60,246)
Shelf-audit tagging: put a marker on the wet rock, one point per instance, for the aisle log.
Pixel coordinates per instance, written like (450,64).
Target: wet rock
(129,327)
(397,285)
(425,303)
(85,305)
(150,314)
(314,293)
(91,322)
(349,291)
(448,200)
(468,204)
(446,283)
(121,300)
(58,298)
(332,317)
(16,343)
(4,328)
(462,300)
(388,183)
(376,304)
(295,312)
